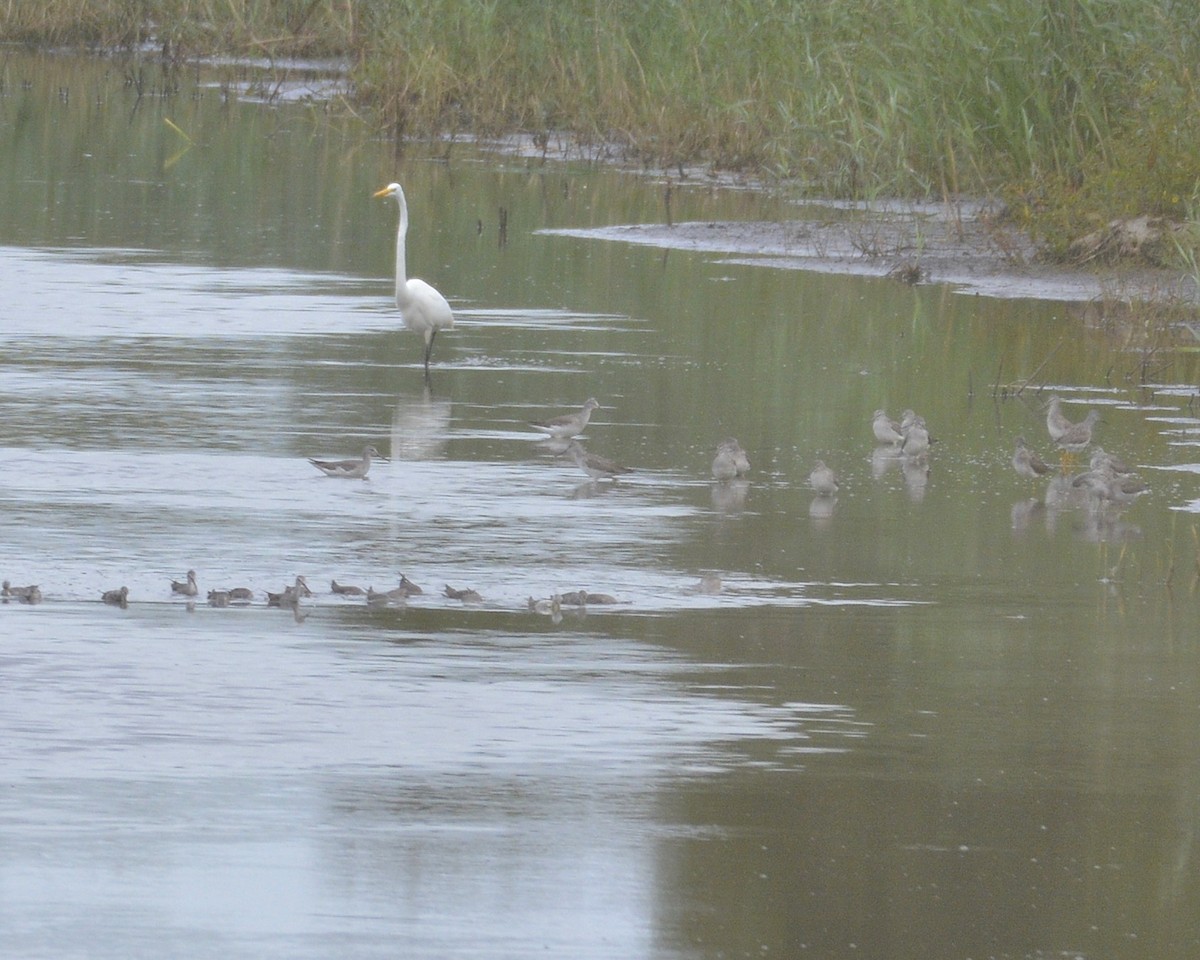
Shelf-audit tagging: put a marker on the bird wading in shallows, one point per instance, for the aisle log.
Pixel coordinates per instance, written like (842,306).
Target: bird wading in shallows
(422,308)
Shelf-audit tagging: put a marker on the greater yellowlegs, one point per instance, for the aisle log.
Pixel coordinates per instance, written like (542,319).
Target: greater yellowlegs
(916,437)
(186,588)
(1056,423)
(1101,459)
(569,424)
(353,469)
(886,429)
(1026,461)
(731,460)
(422,308)
(1078,436)
(823,480)
(595,466)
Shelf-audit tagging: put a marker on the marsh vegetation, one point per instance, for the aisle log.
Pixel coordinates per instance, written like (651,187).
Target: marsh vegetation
(1075,112)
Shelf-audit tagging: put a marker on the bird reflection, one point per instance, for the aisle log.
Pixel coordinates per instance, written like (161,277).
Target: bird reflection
(420,426)
(729,496)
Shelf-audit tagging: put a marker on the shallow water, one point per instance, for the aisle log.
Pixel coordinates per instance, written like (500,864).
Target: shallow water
(951,714)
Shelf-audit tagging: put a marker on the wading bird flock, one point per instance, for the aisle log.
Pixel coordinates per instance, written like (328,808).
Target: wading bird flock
(1108,483)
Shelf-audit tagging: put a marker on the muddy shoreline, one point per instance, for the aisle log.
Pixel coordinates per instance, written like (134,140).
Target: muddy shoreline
(965,245)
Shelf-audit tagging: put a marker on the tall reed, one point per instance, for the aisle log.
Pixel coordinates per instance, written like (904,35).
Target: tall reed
(850,97)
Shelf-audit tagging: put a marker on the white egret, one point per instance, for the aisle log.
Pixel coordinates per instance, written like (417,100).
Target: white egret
(421,307)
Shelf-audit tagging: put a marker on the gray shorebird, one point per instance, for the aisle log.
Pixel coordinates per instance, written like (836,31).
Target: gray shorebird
(117,598)
(823,480)
(1056,423)
(466,595)
(29,594)
(1101,459)
(1078,436)
(595,466)
(1026,461)
(731,460)
(353,469)
(218,598)
(1105,485)
(290,597)
(185,588)
(422,308)
(241,595)
(886,429)
(916,436)
(346,589)
(569,424)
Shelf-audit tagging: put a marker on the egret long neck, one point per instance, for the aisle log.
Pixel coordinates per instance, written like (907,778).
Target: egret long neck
(401,271)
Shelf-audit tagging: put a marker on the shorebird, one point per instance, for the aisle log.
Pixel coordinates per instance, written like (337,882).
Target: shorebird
(241,595)
(381,598)
(422,308)
(9,592)
(410,589)
(581,598)
(188,587)
(1104,484)
(348,469)
(823,480)
(218,598)
(399,594)
(731,460)
(466,595)
(1056,423)
(118,598)
(551,608)
(1076,438)
(595,466)
(886,429)
(569,424)
(710,583)
(1026,461)
(290,597)
(346,589)
(1101,459)
(916,436)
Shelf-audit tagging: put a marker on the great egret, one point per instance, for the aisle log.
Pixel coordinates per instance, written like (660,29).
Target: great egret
(421,307)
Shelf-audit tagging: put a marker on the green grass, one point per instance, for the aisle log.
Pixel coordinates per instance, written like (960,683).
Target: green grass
(1076,110)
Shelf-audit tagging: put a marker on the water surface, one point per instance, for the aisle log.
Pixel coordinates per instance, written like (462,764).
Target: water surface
(951,714)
